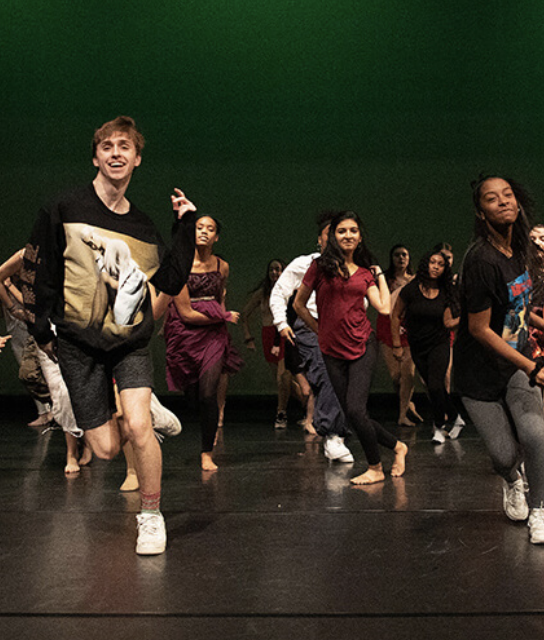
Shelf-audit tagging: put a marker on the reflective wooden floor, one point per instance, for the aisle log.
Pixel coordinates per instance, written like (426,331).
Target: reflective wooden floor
(276,544)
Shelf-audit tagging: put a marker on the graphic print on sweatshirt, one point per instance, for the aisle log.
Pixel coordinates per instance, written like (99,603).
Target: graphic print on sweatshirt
(515,330)
(105,278)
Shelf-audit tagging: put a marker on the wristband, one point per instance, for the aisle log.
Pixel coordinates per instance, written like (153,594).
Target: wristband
(539,364)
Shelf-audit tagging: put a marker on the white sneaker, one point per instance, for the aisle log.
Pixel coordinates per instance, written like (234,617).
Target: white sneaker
(439,435)
(151,534)
(455,431)
(335,449)
(536,526)
(514,501)
(164,421)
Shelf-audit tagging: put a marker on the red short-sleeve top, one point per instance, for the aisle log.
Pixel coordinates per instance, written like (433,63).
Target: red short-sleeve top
(344,327)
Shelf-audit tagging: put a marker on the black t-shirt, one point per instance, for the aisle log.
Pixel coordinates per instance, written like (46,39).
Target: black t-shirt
(424,318)
(490,280)
(87,270)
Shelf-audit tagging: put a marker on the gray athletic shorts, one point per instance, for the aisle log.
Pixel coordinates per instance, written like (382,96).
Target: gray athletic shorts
(89,375)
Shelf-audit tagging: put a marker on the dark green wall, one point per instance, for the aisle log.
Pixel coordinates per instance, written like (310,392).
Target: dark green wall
(266,112)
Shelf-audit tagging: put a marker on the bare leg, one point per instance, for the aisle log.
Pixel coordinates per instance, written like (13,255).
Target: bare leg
(138,429)
(72,463)
(308,399)
(283,380)
(131,480)
(406,388)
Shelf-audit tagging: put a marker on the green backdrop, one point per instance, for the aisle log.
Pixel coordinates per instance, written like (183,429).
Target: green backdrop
(266,112)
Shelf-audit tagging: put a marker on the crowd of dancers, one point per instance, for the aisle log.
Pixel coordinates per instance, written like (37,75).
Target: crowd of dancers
(82,298)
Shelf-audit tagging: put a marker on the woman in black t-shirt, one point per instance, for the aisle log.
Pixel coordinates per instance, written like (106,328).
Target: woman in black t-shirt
(493,369)
(425,303)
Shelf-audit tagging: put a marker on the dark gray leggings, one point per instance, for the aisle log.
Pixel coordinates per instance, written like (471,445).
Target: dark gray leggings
(513,431)
(351,382)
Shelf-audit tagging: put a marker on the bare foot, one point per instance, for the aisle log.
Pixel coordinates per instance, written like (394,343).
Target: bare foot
(370,476)
(131,482)
(41,420)
(404,422)
(308,427)
(413,411)
(206,462)
(86,456)
(72,465)
(399,464)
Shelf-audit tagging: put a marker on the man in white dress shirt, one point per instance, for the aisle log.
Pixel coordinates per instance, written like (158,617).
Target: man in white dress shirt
(329,420)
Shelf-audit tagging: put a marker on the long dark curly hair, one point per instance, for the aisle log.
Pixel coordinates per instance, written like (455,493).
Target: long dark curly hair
(445,282)
(332,261)
(523,224)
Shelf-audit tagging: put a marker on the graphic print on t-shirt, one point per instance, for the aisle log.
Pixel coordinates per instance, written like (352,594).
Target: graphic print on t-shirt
(515,330)
(106,278)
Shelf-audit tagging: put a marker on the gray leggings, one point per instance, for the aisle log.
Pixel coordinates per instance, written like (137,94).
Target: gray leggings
(513,431)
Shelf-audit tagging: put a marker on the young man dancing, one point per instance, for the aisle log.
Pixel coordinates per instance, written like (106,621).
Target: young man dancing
(89,263)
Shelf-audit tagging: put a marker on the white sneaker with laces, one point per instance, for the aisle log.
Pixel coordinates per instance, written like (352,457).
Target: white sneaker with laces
(164,421)
(439,435)
(151,534)
(536,526)
(335,449)
(514,501)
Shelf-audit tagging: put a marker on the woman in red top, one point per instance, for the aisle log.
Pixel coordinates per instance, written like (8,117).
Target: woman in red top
(342,277)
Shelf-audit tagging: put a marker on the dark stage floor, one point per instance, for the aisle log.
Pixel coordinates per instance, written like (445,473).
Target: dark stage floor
(276,544)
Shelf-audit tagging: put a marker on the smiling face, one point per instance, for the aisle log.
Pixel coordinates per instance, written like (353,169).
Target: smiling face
(348,235)
(116,157)
(498,206)
(436,266)
(206,232)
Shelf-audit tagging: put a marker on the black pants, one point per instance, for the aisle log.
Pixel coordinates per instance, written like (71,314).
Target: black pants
(351,382)
(432,366)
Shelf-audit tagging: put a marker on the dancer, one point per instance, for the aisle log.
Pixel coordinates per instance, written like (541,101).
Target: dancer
(493,371)
(342,278)
(329,420)
(273,344)
(398,273)
(198,344)
(536,337)
(12,303)
(61,286)
(425,303)
(447,250)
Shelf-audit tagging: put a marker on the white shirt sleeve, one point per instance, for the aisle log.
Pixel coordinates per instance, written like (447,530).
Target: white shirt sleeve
(288,282)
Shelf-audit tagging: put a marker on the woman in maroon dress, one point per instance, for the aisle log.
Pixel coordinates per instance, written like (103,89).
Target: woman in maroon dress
(198,344)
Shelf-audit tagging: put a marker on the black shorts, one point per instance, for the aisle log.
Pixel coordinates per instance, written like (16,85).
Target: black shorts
(89,374)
